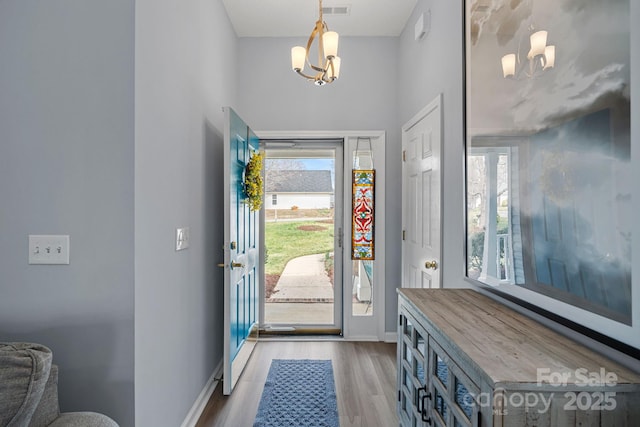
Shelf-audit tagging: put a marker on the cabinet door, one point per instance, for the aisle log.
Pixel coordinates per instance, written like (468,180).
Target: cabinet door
(453,394)
(412,372)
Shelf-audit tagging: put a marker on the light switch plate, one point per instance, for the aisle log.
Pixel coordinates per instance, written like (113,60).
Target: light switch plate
(48,249)
(182,238)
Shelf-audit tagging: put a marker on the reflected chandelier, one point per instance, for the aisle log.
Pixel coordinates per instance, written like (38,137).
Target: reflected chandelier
(540,57)
(328,68)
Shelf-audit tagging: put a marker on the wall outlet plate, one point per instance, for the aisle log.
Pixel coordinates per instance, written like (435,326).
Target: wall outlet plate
(48,249)
(182,238)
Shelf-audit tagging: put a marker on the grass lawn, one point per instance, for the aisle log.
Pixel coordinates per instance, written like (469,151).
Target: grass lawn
(287,240)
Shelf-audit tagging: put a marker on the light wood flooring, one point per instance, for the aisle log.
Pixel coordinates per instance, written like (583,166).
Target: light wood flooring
(364,373)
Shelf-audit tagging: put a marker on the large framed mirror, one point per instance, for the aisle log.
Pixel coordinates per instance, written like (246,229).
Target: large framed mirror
(549,177)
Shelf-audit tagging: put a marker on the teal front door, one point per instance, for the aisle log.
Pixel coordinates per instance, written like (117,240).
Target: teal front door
(242,264)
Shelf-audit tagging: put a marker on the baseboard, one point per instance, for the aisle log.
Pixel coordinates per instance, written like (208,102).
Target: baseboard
(370,338)
(201,402)
(390,337)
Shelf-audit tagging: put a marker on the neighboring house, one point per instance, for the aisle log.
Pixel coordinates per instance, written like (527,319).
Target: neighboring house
(306,189)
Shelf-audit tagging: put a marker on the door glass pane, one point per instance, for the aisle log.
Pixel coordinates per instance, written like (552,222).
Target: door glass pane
(441,369)
(408,327)
(440,405)
(404,406)
(420,344)
(420,372)
(299,236)
(407,379)
(464,399)
(407,352)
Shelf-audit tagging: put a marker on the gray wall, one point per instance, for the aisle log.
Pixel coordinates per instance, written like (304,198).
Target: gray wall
(272,97)
(185,63)
(72,163)
(428,67)
(66,167)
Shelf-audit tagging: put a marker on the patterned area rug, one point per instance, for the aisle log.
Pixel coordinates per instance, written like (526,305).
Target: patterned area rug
(298,393)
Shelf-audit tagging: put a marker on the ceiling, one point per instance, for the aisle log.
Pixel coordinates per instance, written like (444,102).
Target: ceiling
(296,18)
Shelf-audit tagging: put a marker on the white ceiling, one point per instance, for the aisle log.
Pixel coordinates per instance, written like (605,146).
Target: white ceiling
(296,18)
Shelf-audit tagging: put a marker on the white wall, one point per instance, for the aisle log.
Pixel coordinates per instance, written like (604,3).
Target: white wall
(185,63)
(66,167)
(273,98)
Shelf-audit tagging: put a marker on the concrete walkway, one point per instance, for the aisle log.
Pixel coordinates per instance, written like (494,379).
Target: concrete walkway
(304,279)
(304,295)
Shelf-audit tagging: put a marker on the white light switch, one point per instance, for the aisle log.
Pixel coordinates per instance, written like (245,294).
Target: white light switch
(48,249)
(182,238)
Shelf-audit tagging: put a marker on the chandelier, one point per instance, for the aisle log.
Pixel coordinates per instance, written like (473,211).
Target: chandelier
(328,68)
(540,57)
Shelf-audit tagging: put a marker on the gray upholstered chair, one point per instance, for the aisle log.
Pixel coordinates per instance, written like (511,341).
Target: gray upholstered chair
(29,391)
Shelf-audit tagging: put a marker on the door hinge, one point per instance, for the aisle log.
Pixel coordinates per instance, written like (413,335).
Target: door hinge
(339,237)
(404,155)
(404,234)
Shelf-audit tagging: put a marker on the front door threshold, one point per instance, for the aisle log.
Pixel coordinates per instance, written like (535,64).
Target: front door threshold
(271,330)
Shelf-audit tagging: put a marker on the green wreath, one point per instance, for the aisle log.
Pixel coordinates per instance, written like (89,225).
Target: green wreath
(253,187)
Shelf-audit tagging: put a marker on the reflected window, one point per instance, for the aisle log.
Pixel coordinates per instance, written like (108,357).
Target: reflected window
(490,246)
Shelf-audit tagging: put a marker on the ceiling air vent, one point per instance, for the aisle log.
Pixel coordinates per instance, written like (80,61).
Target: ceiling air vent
(336,10)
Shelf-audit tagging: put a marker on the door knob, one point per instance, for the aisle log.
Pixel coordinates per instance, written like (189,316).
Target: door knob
(237,265)
(433,265)
(221,265)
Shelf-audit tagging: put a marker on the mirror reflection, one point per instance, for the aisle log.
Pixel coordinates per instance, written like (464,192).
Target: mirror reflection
(548,151)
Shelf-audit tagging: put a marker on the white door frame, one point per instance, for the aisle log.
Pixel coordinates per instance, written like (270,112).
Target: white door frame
(370,328)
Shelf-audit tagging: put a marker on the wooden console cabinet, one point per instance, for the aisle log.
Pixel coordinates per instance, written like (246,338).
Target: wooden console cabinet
(466,360)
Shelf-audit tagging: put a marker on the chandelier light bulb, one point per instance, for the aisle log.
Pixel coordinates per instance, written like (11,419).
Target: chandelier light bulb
(538,44)
(298,56)
(509,65)
(330,42)
(549,57)
(333,71)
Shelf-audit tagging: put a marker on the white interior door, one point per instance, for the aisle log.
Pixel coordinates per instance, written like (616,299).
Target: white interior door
(421,178)
(241,260)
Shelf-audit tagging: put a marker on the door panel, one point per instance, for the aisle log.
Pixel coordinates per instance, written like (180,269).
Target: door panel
(421,179)
(241,252)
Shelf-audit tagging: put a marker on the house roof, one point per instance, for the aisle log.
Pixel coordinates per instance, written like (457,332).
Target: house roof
(298,181)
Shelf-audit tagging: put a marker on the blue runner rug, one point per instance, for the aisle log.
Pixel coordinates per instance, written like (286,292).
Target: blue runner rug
(298,393)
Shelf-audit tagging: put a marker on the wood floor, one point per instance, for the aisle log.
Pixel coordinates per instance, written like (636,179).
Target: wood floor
(364,373)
